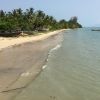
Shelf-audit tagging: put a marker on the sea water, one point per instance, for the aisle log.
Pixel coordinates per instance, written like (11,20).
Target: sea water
(72,71)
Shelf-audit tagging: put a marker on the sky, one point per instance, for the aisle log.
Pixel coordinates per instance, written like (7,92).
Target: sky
(87,11)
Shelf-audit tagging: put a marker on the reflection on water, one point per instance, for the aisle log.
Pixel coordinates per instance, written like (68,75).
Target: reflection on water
(72,72)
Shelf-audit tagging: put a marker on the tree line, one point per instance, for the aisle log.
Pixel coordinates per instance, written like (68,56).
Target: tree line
(18,20)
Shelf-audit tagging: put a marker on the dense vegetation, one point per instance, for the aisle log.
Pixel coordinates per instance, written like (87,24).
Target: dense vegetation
(30,20)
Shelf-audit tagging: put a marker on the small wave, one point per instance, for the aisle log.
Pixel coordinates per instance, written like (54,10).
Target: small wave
(55,48)
(26,74)
(44,66)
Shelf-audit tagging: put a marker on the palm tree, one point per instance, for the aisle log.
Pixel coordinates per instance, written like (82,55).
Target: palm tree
(2,13)
(31,11)
(63,24)
(20,11)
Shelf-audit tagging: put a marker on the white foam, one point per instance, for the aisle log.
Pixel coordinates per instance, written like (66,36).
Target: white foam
(44,66)
(26,74)
(55,48)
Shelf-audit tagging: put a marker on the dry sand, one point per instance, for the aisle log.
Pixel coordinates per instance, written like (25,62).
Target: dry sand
(8,42)
(21,60)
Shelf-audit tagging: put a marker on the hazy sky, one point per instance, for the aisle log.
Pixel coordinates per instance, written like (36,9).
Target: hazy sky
(87,10)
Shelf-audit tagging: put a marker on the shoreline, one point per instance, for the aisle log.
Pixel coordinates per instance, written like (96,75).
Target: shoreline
(27,61)
(13,41)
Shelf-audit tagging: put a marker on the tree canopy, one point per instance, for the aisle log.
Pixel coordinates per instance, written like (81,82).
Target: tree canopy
(31,20)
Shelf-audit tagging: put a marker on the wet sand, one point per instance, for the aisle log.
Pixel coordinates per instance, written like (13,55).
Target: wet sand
(21,63)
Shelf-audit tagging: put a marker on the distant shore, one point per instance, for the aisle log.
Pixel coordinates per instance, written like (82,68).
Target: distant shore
(22,60)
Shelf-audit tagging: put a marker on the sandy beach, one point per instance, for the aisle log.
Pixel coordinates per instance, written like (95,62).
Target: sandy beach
(22,59)
(8,42)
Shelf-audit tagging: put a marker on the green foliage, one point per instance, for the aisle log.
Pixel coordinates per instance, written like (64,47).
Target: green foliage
(73,23)
(30,20)
(63,24)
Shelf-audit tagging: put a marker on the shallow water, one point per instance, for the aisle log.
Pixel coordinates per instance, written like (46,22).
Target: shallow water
(72,71)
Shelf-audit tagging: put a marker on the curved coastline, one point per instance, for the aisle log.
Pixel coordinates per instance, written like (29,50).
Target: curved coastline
(24,77)
(15,41)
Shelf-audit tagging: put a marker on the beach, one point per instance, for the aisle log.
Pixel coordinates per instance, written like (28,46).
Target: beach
(22,59)
(11,41)
(72,72)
